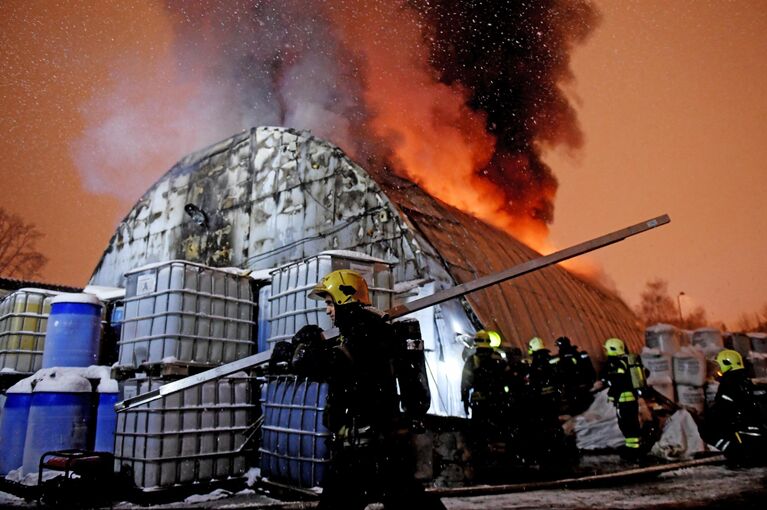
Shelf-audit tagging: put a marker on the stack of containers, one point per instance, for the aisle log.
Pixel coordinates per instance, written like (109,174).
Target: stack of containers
(194,435)
(757,357)
(23,321)
(753,349)
(290,306)
(662,341)
(740,342)
(57,408)
(71,393)
(184,312)
(709,342)
(689,378)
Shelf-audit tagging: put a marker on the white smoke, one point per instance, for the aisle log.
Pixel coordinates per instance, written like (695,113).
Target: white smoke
(277,64)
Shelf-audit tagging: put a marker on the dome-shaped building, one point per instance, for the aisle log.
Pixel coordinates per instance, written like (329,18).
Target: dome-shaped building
(270,196)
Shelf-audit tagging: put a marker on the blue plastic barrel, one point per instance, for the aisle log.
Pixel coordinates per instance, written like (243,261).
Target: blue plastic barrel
(106,422)
(13,428)
(295,444)
(74,330)
(61,417)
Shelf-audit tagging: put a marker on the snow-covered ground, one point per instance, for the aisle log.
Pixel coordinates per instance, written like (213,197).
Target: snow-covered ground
(707,486)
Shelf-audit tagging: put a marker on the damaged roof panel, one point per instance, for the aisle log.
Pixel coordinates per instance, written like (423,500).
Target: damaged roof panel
(275,195)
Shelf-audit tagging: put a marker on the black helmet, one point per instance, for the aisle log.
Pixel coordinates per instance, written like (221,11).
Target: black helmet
(562,342)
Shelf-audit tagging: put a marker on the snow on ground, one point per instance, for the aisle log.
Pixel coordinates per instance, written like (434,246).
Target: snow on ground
(700,487)
(708,486)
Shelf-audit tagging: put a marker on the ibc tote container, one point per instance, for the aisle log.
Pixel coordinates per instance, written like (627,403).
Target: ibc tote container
(708,340)
(187,312)
(290,306)
(664,337)
(194,435)
(23,321)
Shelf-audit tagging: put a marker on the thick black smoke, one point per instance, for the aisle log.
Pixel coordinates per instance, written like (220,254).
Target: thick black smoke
(513,55)
(235,64)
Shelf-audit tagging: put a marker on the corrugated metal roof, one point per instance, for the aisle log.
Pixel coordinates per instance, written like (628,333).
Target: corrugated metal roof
(547,303)
(275,195)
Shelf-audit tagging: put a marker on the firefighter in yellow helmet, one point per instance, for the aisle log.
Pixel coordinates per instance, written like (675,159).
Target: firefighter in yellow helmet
(371,456)
(484,391)
(734,423)
(621,392)
(542,377)
(546,443)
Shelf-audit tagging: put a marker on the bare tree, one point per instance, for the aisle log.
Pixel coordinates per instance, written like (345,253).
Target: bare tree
(695,319)
(747,322)
(656,305)
(763,318)
(756,321)
(19,257)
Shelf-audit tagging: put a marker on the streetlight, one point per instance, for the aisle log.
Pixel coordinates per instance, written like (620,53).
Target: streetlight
(679,304)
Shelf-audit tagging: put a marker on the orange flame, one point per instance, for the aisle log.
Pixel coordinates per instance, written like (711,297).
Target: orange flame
(438,142)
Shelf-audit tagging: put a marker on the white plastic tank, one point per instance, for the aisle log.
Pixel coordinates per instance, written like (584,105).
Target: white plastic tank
(187,312)
(663,337)
(290,306)
(709,340)
(690,367)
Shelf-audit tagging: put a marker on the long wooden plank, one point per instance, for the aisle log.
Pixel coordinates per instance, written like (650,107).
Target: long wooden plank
(525,267)
(614,477)
(194,380)
(407,308)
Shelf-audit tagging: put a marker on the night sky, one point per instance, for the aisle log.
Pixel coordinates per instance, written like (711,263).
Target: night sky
(558,121)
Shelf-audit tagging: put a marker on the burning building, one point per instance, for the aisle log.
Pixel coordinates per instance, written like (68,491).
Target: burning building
(271,196)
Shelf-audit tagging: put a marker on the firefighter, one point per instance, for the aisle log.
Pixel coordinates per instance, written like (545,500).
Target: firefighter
(542,376)
(483,380)
(575,376)
(484,390)
(621,392)
(548,445)
(371,455)
(734,423)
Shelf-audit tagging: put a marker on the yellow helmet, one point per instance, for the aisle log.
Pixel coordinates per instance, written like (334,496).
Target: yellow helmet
(495,339)
(535,344)
(615,347)
(344,286)
(482,339)
(729,360)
